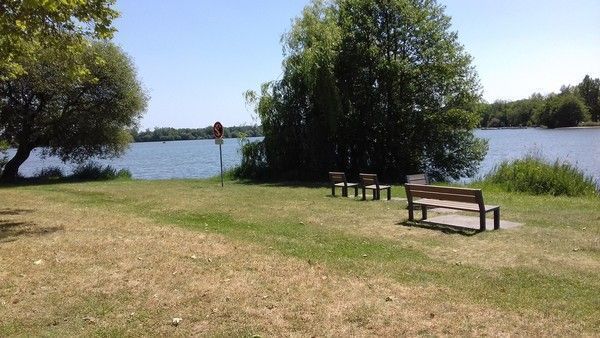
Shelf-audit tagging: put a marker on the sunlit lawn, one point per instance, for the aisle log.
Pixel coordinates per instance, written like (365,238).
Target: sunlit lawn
(125,257)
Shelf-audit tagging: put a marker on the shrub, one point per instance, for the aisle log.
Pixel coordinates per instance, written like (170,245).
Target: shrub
(536,176)
(95,171)
(254,161)
(3,154)
(565,110)
(589,124)
(50,173)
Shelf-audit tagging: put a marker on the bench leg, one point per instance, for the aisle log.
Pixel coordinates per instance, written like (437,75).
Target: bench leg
(355,190)
(424,212)
(344,191)
(496,219)
(333,190)
(411,213)
(482,221)
(389,194)
(364,193)
(375,194)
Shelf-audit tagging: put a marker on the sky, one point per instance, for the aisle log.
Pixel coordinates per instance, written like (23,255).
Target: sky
(196,58)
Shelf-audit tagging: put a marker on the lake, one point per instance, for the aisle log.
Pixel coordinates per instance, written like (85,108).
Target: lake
(200,158)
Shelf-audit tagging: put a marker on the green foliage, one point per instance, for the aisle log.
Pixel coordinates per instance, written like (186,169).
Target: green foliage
(590,124)
(371,86)
(565,110)
(72,117)
(511,114)
(173,134)
(254,163)
(589,90)
(95,171)
(3,154)
(533,175)
(29,26)
(50,173)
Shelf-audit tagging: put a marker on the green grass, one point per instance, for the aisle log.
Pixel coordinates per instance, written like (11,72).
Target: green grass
(545,267)
(536,176)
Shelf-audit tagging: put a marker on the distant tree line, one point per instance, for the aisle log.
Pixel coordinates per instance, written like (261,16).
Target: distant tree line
(181,134)
(572,106)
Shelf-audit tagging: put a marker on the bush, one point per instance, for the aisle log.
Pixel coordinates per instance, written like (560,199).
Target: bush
(589,124)
(50,173)
(95,171)
(3,154)
(565,110)
(536,176)
(254,161)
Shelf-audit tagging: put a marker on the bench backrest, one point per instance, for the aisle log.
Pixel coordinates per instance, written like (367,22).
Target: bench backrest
(369,179)
(417,179)
(444,193)
(337,177)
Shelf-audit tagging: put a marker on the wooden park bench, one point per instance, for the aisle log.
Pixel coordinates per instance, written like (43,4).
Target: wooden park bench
(451,198)
(338,179)
(417,179)
(370,181)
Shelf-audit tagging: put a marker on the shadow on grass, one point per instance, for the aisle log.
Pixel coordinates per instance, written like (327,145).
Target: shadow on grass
(14,212)
(10,231)
(445,228)
(286,184)
(32,182)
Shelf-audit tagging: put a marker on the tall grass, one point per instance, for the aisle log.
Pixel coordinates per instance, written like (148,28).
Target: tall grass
(536,176)
(95,171)
(50,173)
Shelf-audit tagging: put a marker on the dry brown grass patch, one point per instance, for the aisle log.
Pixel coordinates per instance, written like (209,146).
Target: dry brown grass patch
(108,272)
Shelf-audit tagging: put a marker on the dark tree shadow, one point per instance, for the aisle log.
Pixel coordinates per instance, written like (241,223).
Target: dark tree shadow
(14,212)
(33,181)
(445,228)
(287,184)
(12,230)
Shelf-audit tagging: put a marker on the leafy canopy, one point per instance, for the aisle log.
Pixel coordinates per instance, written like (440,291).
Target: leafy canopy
(565,110)
(73,117)
(28,25)
(379,86)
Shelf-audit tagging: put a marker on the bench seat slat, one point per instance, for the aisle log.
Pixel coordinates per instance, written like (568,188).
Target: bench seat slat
(444,189)
(342,184)
(465,197)
(373,186)
(453,205)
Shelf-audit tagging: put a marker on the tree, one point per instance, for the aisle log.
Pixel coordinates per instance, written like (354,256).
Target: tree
(73,117)
(380,86)
(3,154)
(564,110)
(27,25)
(589,90)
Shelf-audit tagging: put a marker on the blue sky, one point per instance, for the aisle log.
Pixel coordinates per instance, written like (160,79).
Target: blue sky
(197,57)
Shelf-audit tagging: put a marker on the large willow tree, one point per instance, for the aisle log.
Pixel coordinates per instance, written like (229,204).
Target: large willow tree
(374,86)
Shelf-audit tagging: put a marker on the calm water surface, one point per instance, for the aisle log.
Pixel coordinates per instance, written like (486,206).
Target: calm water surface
(200,159)
(578,146)
(157,160)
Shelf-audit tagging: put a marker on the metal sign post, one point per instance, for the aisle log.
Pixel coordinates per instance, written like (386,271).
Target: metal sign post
(218,132)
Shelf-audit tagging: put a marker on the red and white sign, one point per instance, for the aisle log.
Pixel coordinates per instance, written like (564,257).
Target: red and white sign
(218,130)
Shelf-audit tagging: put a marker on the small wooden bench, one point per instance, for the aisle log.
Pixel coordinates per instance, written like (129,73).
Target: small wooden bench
(338,179)
(451,198)
(417,179)
(370,181)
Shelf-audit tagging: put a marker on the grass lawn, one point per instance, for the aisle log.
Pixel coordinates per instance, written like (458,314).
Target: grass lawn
(125,257)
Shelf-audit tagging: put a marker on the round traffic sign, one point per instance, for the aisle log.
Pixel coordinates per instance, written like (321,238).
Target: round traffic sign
(218,130)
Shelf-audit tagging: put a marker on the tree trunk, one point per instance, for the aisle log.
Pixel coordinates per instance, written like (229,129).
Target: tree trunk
(11,169)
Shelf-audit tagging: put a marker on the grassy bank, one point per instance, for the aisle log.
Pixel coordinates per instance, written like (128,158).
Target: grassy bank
(125,257)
